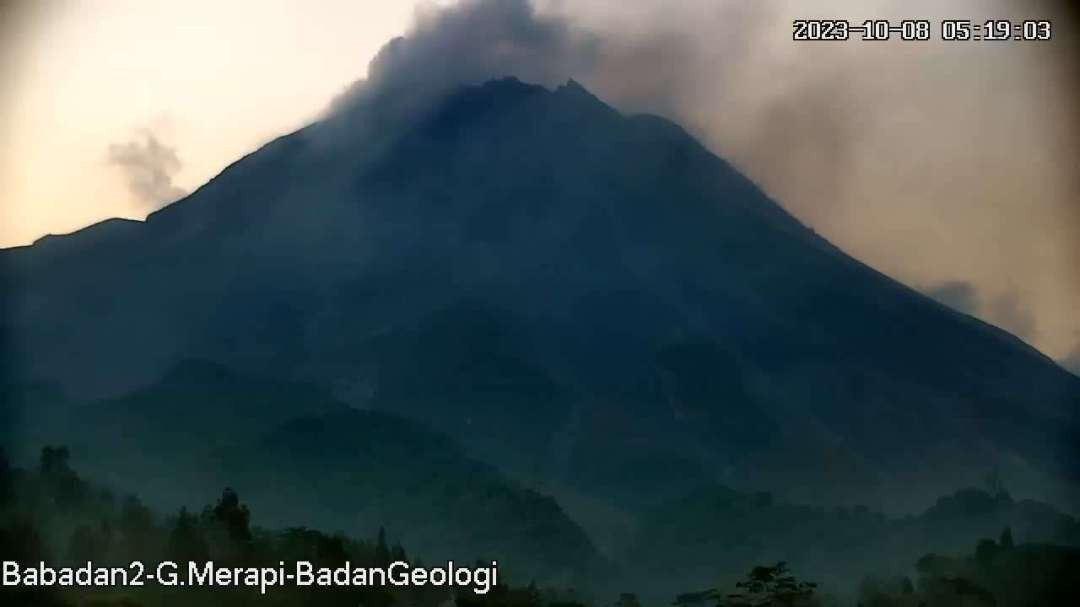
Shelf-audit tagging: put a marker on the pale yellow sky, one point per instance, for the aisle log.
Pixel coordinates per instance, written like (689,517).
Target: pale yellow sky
(936,163)
(212,79)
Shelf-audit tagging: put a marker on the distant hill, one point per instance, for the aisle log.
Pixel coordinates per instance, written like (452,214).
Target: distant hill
(690,540)
(302,458)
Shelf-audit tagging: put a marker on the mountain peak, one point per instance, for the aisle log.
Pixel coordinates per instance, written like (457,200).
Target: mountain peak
(575,92)
(594,242)
(574,87)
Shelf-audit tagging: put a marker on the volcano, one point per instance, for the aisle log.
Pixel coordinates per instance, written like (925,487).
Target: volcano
(589,301)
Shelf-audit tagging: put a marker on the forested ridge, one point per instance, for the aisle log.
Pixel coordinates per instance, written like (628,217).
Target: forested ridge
(50,514)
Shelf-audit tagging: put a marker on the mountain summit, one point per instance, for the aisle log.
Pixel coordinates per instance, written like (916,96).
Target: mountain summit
(586,299)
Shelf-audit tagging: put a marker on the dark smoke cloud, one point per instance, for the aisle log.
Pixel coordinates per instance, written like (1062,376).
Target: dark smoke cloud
(149,166)
(930,161)
(957,294)
(469,43)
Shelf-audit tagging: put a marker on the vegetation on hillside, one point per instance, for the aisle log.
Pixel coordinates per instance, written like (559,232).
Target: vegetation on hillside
(51,514)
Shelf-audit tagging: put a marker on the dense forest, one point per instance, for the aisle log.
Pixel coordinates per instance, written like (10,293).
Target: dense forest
(51,514)
(299,457)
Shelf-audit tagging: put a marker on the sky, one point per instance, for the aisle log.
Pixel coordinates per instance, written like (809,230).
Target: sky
(954,167)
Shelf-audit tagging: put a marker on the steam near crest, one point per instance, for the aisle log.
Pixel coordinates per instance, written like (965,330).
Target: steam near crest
(957,294)
(896,152)
(469,43)
(149,166)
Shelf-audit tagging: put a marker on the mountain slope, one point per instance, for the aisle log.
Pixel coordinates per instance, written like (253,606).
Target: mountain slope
(578,296)
(688,540)
(302,458)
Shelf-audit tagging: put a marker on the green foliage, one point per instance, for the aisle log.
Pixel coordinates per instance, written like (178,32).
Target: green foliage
(6,480)
(55,516)
(997,574)
(1006,540)
(233,515)
(186,542)
(89,541)
(303,457)
(716,528)
(43,522)
(763,586)
(382,551)
(135,524)
(895,592)
(65,487)
(985,551)
(627,599)
(770,586)
(501,596)
(20,541)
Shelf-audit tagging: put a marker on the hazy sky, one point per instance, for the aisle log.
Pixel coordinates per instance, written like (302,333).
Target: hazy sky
(210,79)
(951,166)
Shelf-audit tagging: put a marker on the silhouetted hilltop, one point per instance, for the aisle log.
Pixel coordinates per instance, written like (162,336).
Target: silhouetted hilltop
(301,457)
(690,538)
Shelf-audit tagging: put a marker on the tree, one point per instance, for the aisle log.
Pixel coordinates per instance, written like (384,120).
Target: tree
(532,594)
(503,596)
(627,599)
(397,553)
(985,551)
(331,550)
(135,524)
(54,460)
(995,485)
(89,542)
(697,599)
(234,516)
(382,551)
(21,542)
(888,592)
(7,480)
(770,587)
(185,541)
(1006,540)
(957,591)
(66,488)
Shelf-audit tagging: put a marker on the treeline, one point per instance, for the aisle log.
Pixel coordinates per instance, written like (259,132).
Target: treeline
(999,574)
(716,530)
(50,514)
